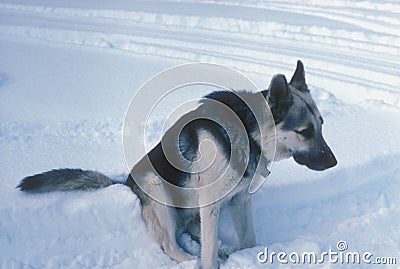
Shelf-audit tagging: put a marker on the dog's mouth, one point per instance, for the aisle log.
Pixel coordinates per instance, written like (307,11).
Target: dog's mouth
(318,161)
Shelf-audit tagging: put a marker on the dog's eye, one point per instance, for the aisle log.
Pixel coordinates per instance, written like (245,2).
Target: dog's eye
(307,133)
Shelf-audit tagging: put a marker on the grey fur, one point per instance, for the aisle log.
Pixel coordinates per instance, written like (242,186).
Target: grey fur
(293,109)
(298,132)
(64,180)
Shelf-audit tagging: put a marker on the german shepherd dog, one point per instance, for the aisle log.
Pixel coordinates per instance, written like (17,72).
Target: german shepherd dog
(296,128)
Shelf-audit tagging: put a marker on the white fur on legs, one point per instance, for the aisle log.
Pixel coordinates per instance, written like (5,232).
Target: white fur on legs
(161,224)
(242,217)
(209,228)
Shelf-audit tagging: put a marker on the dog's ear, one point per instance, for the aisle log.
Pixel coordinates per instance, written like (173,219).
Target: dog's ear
(278,90)
(279,97)
(299,80)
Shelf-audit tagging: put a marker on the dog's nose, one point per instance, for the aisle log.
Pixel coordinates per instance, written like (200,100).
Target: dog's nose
(329,158)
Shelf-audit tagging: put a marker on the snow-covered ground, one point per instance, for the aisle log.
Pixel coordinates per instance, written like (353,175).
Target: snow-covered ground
(68,70)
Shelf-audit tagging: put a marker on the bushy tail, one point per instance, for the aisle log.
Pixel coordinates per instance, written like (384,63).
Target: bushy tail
(64,180)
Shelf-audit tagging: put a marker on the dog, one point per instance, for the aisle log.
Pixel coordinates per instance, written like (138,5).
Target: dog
(185,158)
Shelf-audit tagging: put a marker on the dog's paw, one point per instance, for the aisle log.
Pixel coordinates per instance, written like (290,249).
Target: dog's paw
(224,251)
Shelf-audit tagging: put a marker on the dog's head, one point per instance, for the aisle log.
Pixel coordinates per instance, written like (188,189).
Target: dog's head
(298,122)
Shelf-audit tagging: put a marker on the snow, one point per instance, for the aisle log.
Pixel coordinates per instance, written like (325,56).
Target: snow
(68,70)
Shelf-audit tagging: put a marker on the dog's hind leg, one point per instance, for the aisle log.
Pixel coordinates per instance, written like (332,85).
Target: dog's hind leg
(161,222)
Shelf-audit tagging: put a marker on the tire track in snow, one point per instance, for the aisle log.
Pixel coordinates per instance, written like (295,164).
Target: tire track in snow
(138,19)
(253,60)
(378,17)
(247,45)
(180,45)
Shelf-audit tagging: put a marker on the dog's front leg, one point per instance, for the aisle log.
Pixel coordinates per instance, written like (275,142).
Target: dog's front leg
(241,212)
(209,227)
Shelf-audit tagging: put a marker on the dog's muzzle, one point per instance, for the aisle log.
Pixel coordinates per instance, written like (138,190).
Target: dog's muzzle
(318,160)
